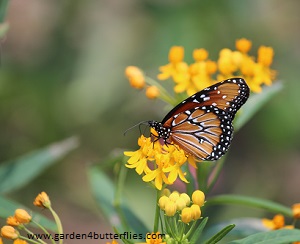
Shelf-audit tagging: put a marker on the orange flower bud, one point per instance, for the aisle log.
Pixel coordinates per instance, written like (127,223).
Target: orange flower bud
(200,54)
(243,45)
(176,54)
(9,232)
(296,210)
(22,216)
(12,221)
(152,92)
(135,76)
(42,200)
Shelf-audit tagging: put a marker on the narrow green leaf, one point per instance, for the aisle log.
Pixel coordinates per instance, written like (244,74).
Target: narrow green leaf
(8,207)
(16,173)
(243,227)
(197,233)
(220,235)
(282,236)
(103,190)
(254,103)
(250,202)
(3,9)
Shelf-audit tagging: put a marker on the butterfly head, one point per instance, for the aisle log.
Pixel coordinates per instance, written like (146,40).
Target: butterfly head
(163,132)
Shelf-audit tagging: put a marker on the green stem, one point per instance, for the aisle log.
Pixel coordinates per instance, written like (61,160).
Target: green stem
(58,223)
(157,211)
(43,229)
(118,195)
(32,241)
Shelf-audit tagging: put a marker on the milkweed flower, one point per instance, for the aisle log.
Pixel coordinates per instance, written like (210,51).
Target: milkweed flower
(42,200)
(296,210)
(203,72)
(12,221)
(274,224)
(9,232)
(159,163)
(22,216)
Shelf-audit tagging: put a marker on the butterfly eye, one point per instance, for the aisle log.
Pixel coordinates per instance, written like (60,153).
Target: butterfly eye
(202,124)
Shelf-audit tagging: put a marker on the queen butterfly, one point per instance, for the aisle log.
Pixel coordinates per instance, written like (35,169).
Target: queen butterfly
(202,124)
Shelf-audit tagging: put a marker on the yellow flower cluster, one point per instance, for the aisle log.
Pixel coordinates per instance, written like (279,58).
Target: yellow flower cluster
(177,203)
(159,163)
(200,74)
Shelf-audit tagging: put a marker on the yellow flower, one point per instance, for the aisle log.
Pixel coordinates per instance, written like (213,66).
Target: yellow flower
(243,45)
(180,204)
(200,54)
(196,212)
(154,238)
(170,208)
(265,56)
(174,196)
(198,198)
(276,223)
(42,200)
(22,216)
(159,163)
(152,92)
(12,221)
(9,232)
(296,210)
(135,76)
(186,198)
(163,200)
(176,54)
(186,215)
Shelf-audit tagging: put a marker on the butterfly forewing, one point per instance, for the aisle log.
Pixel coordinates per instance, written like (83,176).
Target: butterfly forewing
(202,124)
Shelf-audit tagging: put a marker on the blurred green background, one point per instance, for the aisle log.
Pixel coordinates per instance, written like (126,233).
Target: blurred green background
(62,74)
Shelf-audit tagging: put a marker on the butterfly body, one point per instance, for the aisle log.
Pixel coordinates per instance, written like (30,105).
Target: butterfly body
(202,124)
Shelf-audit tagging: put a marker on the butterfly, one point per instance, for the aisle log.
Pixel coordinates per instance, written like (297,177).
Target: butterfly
(201,125)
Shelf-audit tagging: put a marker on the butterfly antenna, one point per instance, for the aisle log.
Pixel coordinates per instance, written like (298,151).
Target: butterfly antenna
(138,124)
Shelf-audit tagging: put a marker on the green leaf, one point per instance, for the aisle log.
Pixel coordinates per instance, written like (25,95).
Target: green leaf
(220,235)
(103,190)
(8,207)
(197,233)
(3,9)
(243,227)
(254,103)
(16,173)
(250,202)
(282,236)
